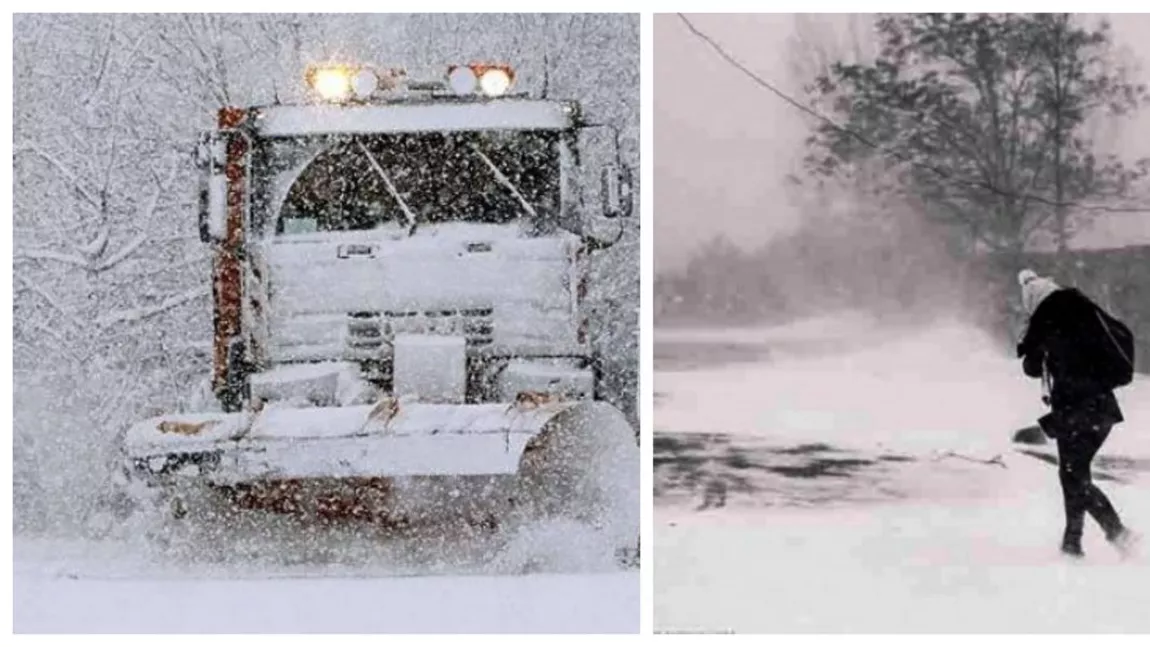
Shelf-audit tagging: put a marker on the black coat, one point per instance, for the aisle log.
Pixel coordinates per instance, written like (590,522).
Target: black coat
(1065,332)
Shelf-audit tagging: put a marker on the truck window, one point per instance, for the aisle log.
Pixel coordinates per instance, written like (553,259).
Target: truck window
(375,181)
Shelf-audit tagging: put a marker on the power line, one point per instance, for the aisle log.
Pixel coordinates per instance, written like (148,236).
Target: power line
(761,82)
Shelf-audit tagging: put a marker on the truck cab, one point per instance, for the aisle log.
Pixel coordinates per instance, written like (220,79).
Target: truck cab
(434,236)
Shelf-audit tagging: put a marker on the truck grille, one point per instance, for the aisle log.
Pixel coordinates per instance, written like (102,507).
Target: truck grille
(367,332)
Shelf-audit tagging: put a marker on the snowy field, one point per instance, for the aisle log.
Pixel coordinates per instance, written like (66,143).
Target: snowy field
(112,587)
(835,484)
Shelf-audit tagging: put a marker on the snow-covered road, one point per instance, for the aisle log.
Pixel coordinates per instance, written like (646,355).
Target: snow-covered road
(549,577)
(93,587)
(857,498)
(601,603)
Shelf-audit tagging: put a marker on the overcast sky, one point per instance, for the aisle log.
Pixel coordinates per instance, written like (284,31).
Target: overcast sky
(723,145)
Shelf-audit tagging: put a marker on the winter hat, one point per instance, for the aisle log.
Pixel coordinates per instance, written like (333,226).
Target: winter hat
(1035,289)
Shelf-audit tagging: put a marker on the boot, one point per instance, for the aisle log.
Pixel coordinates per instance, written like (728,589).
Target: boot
(1126,542)
(1072,540)
(1072,550)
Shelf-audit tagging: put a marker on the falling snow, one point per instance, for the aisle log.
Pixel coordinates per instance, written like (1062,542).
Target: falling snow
(113,313)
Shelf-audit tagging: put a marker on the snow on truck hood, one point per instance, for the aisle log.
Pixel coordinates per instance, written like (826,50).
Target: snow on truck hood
(442,239)
(521,285)
(443,233)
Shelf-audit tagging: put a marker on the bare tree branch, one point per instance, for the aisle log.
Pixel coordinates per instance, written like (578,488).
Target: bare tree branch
(135,315)
(60,167)
(51,300)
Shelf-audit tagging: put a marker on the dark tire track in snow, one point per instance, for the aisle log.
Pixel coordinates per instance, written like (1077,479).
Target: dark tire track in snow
(715,470)
(686,356)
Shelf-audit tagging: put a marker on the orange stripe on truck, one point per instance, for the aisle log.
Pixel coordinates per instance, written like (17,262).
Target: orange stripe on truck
(227,274)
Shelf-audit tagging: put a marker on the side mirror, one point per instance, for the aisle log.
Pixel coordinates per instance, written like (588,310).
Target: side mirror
(618,191)
(210,157)
(606,181)
(202,155)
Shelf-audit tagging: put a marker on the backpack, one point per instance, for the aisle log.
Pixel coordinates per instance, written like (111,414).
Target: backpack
(1115,364)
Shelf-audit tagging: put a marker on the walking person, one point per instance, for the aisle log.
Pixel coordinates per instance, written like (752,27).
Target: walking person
(1078,352)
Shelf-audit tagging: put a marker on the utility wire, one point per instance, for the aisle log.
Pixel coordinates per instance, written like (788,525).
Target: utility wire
(761,82)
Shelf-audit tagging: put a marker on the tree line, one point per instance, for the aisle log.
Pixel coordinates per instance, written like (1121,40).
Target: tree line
(964,135)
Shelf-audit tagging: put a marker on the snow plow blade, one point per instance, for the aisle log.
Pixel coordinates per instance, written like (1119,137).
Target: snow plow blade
(382,440)
(495,467)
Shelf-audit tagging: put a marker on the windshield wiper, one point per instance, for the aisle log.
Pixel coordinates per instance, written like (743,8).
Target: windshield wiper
(505,181)
(390,187)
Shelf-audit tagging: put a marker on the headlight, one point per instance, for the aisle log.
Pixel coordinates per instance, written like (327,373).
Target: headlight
(495,82)
(330,83)
(462,79)
(490,80)
(364,83)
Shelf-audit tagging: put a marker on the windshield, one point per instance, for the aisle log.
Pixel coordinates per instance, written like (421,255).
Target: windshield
(404,180)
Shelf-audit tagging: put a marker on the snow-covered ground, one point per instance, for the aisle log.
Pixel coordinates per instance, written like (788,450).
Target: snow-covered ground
(962,530)
(310,601)
(848,325)
(250,571)
(532,604)
(982,567)
(77,586)
(942,389)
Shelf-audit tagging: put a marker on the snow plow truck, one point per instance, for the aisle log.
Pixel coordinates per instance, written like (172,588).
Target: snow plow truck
(400,274)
